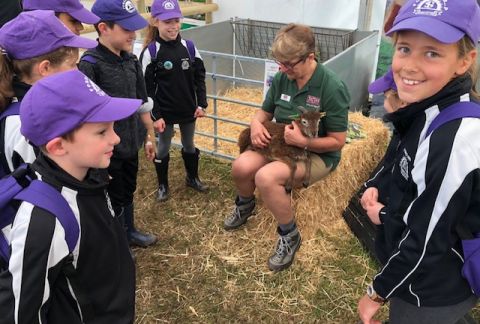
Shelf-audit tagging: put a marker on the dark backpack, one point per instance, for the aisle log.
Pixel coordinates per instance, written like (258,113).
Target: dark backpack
(470,241)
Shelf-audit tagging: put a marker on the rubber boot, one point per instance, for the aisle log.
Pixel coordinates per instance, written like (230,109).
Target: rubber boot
(136,238)
(191,166)
(161,166)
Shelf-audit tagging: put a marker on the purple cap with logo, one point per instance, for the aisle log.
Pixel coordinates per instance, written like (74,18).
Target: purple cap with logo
(445,20)
(383,83)
(59,103)
(166,9)
(38,32)
(121,12)
(72,7)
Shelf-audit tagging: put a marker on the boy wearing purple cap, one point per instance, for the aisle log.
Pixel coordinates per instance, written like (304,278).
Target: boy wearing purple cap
(35,44)
(71,12)
(175,78)
(118,72)
(73,126)
(433,186)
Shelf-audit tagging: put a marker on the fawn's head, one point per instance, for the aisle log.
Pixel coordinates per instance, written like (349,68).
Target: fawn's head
(309,121)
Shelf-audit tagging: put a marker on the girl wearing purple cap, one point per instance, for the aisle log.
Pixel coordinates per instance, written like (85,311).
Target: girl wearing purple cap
(175,79)
(71,12)
(25,60)
(433,186)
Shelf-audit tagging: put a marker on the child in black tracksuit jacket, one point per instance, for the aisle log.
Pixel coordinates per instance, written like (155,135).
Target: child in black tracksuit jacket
(44,282)
(433,184)
(119,74)
(175,79)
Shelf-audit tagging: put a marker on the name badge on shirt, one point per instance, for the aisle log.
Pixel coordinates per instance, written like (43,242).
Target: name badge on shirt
(285,97)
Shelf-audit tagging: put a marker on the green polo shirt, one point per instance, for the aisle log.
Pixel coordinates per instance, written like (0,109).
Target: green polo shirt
(324,91)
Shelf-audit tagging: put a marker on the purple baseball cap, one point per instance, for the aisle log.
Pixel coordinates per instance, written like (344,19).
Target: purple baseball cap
(446,21)
(383,83)
(37,32)
(73,7)
(121,12)
(166,9)
(59,103)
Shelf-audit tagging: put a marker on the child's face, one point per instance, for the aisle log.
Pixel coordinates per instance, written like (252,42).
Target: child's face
(91,147)
(168,29)
(73,24)
(119,38)
(422,66)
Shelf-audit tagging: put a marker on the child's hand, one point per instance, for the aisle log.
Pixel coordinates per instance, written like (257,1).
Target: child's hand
(150,150)
(199,113)
(159,125)
(373,212)
(370,196)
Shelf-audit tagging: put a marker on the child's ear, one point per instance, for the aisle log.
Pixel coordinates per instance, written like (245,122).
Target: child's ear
(56,147)
(102,27)
(466,62)
(43,68)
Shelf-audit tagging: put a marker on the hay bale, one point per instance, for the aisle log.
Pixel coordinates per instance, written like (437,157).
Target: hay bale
(324,201)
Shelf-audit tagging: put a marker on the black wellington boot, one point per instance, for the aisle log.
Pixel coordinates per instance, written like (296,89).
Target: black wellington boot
(191,166)
(136,238)
(161,166)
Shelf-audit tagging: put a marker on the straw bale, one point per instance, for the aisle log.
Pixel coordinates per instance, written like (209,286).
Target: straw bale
(324,201)
(318,208)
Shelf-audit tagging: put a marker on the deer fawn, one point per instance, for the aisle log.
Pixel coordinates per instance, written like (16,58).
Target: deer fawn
(278,150)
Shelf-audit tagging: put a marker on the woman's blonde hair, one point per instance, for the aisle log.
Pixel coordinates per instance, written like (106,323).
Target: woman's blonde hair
(293,41)
(23,69)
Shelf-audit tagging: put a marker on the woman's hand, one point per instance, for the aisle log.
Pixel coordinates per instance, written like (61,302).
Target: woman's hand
(159,125)
(259,135)
(293,136)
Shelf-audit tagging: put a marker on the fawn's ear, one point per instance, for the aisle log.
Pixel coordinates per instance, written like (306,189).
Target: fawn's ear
(323,114)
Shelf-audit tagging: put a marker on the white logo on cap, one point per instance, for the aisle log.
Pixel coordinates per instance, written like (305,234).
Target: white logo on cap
(168,5)
(93,87)
(128,6)
(430,7)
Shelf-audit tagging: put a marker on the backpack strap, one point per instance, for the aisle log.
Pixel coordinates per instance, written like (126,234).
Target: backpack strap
(191,49)
(152,49)
(12,109)
(43,195)
(458,110)
(89,58)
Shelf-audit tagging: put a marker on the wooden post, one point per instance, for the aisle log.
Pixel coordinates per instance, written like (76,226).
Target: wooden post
(208,15)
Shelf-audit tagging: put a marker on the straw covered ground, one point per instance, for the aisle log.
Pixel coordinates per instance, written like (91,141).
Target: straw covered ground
(200,273)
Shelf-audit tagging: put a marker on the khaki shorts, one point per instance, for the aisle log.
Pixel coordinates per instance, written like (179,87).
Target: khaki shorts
(319,168)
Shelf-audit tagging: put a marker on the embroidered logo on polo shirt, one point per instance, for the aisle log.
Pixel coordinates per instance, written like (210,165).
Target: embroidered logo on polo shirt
(430,7)
(285,97)
(313,101)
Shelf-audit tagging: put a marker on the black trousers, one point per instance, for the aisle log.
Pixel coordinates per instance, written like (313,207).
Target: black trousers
(124,181)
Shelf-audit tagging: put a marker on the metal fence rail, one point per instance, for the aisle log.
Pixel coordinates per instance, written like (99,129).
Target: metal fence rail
(216,99)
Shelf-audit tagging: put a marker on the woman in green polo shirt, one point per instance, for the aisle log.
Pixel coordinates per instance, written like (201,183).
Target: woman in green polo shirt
(301,81)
